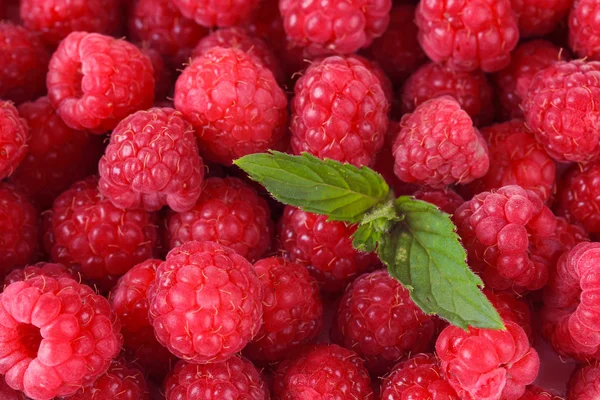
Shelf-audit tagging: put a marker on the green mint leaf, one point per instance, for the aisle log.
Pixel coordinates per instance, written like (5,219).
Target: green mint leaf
(341,191)
(375,224)
(424,253)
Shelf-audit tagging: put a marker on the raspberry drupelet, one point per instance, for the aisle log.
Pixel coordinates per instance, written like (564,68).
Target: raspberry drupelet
(536,393)
(234,103)
(94,81)
(205,303)
(445,199)
(566,236)
(469,34)
(211,13)
(513,308)
(57,335)
(339,111)
(51,270)
(540,17)
(437,145)
(579,196)
(377,319)
(14,138)
(584,33)
(584,383)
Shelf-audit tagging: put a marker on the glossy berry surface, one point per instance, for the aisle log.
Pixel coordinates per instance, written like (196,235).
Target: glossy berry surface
(584,33)
(579,196)
(217,12)
(51,270)
(583,384)
(14,136)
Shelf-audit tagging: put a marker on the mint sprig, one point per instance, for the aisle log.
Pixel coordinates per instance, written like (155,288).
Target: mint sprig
(416,240)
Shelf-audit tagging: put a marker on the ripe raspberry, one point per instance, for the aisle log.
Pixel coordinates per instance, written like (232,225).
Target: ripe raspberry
(128,300)
(584,33)
(205,303)
(324,247)
(57,156)
(560,108)
(445,199)
(56,336)
(332,28)
(565,237)
(8,393)
(537,393)
(497,229)
(539,17)
(378,320)
(234,103)
(228,212)
(159,23)
(88,233)
(579,196)
(418,378)
(512,308)
(584,383)
(323,372)
(151,161)
(56,271)
(471,89)
(469,34)
(56,19)
(217,12)
(339,111)
(235,378)
(120,382)
(512,82)
(87,88)
(437,145)
(14,137)
(292,310)
(487,364)
(23,64)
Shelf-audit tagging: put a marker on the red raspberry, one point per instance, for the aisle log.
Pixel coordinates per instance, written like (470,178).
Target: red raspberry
(160,25)
(537,393)
(292,310)
(14,137)
(228,212)
(584,383)
(437,145)
(23,64)
(120,382)
(468,34)
(323,372)
(445,199)
(8,393)
(486,364)
(87,88)
(584,33)
(497,229)
(378,320)
(57,156)
(339,111)
(565,237)
(540,17)
(206,302)
(560,108)
(56,336)
(151,161)
(324,247)
(56,271)
(579,196)
(234,103)
(55,19)
(418,378)
(513,308)
(128,300)
(217,12)
(512,83)
(516,159)
(235,378)
(471,89)
(88,233)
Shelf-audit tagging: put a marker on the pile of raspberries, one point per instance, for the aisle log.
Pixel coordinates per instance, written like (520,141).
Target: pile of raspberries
(139,263)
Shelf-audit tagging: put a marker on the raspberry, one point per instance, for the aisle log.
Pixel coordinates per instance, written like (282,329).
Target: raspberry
(217,12)
(471,89)
(205,303)
(128,300)
(469,34)
(537,393)
(151,161)
(56,336)
(418,378)
(228,212)
(512,308)
(55,19)
(565,237)
(560,108)
(323,372)
(14,136)
(497,229)
(120,382)
(159,23)
(540,17)
(512,82)
(8,393)
(23,64)
(324,247)
(580,196)
(234,103)
(235,378)
(584,383)
(56,271)
(584,34)
(487,364)
(378,320)
(339,111)
(445,199)
(437,145)
(292,310)
(87,88)
(516,159)
(57,156)
(88,233)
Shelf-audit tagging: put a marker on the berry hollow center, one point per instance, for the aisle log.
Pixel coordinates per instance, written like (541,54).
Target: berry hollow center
(30,338)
